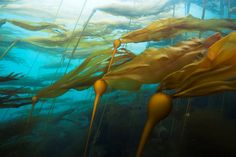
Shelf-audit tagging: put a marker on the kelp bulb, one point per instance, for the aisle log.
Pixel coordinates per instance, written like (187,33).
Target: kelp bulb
(116,43)
(100,87)
(158,108)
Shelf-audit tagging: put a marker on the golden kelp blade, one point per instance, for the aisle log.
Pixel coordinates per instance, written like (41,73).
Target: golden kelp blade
(214,73)
(85,75)
(154,64)
(35,26)
(167,28)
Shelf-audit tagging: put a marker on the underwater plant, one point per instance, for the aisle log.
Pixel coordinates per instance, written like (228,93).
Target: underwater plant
(147,68)
(34,26)
(121,69)
(171,27)
(214,73)
(86,74)
(8,49)
(13,97)
(10,77)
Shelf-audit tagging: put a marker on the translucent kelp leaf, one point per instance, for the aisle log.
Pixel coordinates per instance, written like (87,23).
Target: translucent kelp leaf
(85,75)
(35,26)
(214,73)
(167,28)
(154,64)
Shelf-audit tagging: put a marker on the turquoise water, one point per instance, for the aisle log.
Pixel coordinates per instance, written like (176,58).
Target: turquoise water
(59,124)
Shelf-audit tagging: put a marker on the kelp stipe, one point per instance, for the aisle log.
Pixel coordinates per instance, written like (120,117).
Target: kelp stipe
(100,87)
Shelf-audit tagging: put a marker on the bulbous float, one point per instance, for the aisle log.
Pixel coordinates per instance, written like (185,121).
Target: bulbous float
(158,108)
(116,45)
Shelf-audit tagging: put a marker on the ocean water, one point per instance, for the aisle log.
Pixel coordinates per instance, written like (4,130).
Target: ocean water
(52,52)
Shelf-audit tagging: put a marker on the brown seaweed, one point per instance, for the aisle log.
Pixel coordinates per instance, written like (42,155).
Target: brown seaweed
(10,77)
(171,27)
(35,26)
(154,64)
(214,73)
(85,75)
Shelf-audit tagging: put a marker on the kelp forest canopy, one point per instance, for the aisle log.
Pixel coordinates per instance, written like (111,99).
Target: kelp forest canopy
(93,47)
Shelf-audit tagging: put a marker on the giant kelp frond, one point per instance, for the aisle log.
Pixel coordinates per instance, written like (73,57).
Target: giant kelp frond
(167,28)
(86,74)
(35,26)
(214,73)
(154,64)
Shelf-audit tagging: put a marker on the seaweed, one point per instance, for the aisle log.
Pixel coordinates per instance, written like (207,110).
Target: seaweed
(10,77)
(92,68)
(171,27)
(8,49)
(147,68)
(214,73)
(36,26)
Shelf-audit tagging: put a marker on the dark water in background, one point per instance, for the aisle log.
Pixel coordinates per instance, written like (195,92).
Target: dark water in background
(197,127)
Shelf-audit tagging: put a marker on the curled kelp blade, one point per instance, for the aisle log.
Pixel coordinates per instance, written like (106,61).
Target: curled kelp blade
(86,74)
(171,27)
(154,64)
(214,73)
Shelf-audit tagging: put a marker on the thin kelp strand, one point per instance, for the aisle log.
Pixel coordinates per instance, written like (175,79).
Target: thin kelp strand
(8,49)
(58,9)
(80,36)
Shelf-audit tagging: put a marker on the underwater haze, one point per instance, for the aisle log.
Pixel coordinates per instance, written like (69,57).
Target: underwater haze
(117,78)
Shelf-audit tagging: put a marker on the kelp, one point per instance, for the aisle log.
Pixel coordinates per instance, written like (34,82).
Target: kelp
(86,74)
(6,102)
(66,39)
(10,77)
(154,64)
(11,97)
(8,49)
(171,27)
(214,73)
(36,26)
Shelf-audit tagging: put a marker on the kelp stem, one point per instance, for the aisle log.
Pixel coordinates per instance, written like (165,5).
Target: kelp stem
(96,101)
(8,49)
(159,107)
(100,87)
(146,133)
